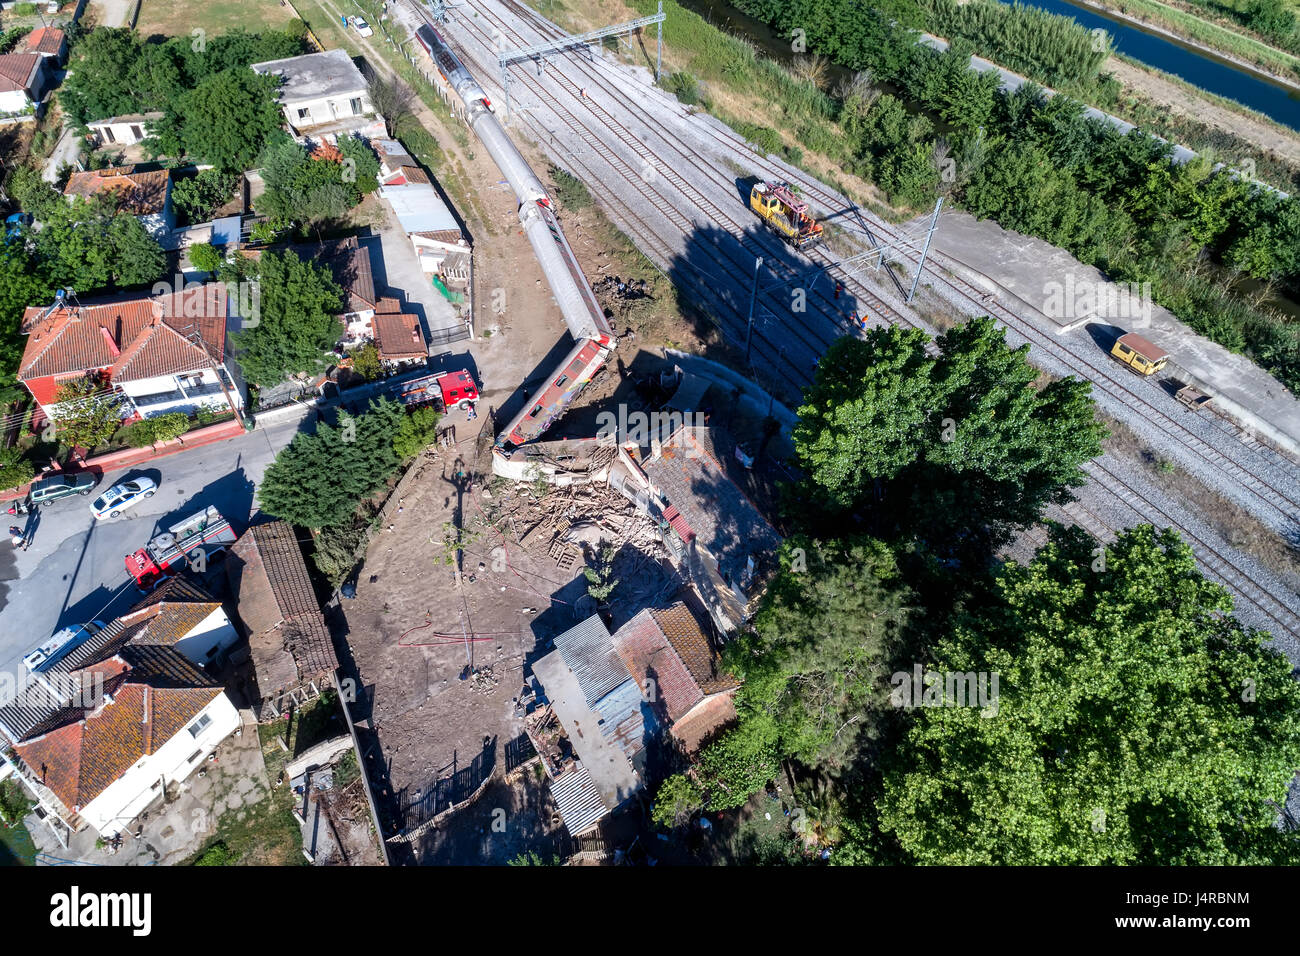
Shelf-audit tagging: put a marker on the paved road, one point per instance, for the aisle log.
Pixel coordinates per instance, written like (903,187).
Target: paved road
(74,570)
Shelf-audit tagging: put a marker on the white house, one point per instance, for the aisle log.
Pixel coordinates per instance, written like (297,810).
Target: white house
(321,92)
(123,130)
(100,732)
(160,354)
(24,78)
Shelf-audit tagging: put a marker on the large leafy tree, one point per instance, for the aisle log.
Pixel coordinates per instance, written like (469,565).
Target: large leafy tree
(22,283)
(136,256)
(298,323)
(816,658)
(226,118)
(957,444)
(1137,722)
(864,416)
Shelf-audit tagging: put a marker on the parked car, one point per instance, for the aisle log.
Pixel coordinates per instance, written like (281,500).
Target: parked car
(123,495)
(59,486)
(361,26)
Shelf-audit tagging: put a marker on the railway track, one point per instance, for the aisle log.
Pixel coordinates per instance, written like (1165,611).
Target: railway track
(1270,492)
(1259,471)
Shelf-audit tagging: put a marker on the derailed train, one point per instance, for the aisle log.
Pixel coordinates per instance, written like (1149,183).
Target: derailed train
(582,313)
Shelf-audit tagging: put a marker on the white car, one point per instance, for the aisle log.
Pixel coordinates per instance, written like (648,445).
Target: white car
(361,26)
(123,495)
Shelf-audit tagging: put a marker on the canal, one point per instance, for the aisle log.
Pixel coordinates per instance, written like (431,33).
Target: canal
(1218,76)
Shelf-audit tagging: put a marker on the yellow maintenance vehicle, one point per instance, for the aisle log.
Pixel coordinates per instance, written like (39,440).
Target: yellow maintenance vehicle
(785,214)
(1139,354)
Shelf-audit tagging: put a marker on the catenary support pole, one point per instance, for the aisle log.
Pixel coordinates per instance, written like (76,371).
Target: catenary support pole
(920,266)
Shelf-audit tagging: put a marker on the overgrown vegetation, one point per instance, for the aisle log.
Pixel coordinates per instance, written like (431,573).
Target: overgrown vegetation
(1037,165)
(216,110)
(936,704)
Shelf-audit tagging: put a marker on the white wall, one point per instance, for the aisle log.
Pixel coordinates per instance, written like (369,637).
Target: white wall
(327,109)
(114,809)
(214,632)
(13,101)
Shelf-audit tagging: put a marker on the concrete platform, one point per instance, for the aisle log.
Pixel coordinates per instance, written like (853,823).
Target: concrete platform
(1033,277)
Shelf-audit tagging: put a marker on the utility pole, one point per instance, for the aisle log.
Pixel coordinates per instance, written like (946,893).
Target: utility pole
(920,266)
(749,328)
(659,48)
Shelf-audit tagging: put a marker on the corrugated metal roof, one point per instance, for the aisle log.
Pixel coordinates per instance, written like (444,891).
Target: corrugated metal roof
(588,651)
(624,718)
(419,208)
(579,802)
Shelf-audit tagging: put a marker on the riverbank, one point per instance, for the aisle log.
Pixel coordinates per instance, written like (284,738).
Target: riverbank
(1242,124)
(1205,36)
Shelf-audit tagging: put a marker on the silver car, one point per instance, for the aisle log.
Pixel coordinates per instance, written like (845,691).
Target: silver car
(123,495)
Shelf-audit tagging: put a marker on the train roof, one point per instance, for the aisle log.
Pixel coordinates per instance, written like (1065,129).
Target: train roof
(1143,347)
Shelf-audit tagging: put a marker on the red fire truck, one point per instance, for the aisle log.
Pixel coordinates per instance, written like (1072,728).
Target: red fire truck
(189,542)
(445,390)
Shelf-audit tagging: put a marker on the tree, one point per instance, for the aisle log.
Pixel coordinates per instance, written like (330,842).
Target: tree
(963,446)
(360,164)
(417,432)
(15,469)
(135,257)
(300,304)
(88,413)
(227,117)
(23,283)
(206,257)
(318,480)
(677,800)
(366,362)
(1136,721)
(392,99)
(303,189)
(196,197)
(862,418)
(34,195)
(741,762)
(815,659)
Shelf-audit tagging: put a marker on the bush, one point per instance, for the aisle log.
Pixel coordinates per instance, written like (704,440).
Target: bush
(337,552)
(15,469)
(216,855)
(685,87)
(569,189)
(764,139)
(151,431)
(417,432)
(205,257)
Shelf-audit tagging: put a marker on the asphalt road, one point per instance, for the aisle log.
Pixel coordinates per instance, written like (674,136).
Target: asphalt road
(75,571)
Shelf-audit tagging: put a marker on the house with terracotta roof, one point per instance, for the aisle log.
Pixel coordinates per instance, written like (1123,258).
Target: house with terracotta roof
(290,645)
(153,353)
(100,730)
(47,41)
(144,193)
(24,78)
(100,762)
(673,660)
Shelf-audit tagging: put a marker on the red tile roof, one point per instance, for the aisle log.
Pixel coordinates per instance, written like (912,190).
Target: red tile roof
(682,628)
(151,694)
(45,40)
(656,666)
(152,336)
(398,336)
(16,70)
(140,193)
